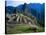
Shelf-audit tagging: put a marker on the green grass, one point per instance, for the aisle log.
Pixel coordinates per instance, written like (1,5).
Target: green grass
(23,28)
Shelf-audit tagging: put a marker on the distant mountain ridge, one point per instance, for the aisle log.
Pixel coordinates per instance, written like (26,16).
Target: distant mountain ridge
(32,6)
(37,6)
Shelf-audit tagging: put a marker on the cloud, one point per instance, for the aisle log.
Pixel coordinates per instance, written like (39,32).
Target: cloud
(16,3)
(24,1)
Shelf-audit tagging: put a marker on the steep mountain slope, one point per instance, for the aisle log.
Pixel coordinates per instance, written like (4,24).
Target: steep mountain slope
(36,10)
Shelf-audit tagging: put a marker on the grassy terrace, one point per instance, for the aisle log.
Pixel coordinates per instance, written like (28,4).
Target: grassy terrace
(23,28)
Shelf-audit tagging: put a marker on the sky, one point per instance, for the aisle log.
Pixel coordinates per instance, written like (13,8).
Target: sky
(17,2)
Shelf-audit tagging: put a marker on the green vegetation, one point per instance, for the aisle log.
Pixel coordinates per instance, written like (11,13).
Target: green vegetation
(23,28)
